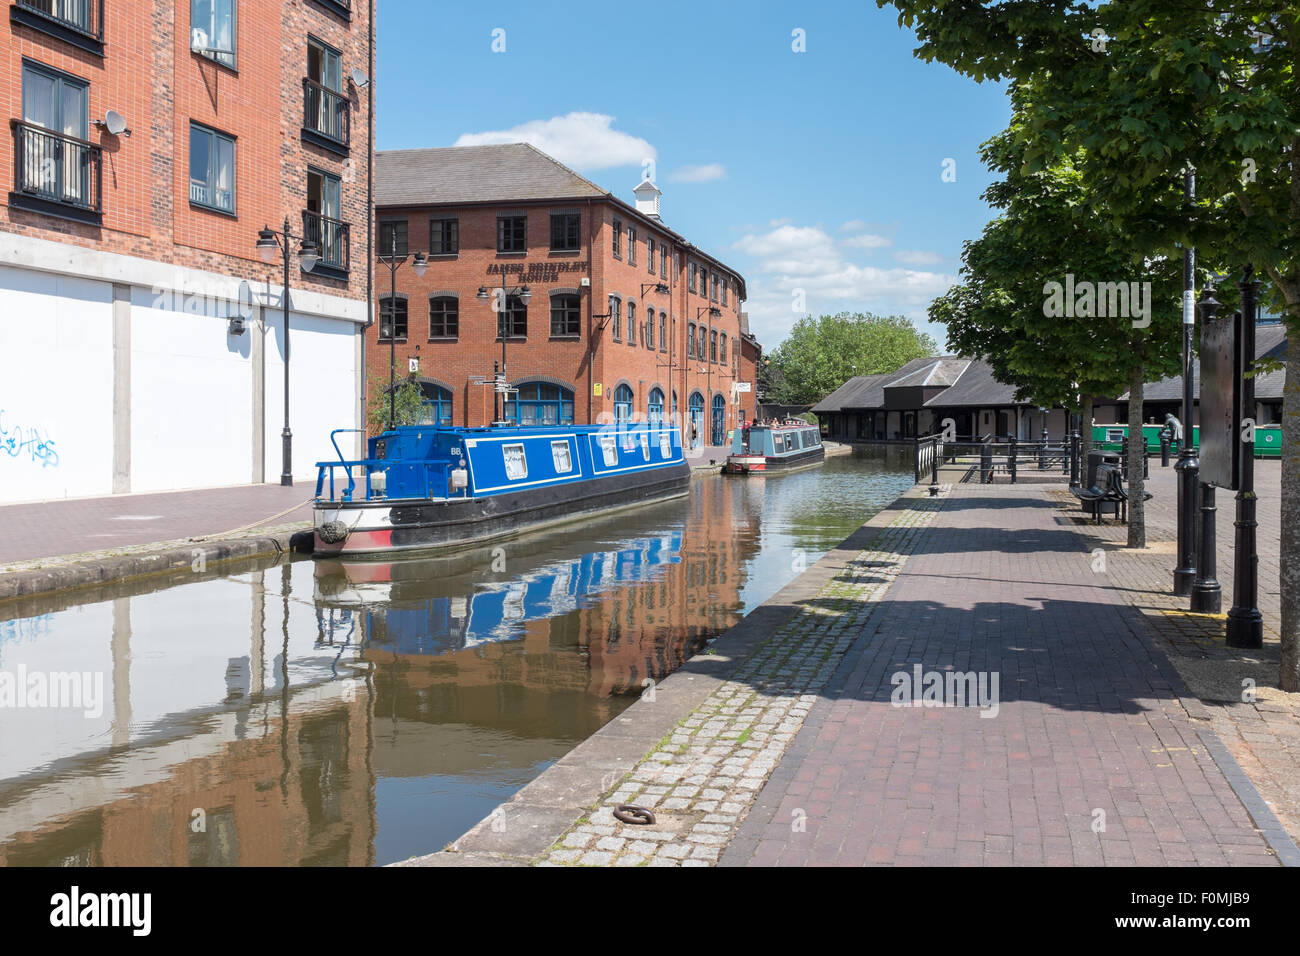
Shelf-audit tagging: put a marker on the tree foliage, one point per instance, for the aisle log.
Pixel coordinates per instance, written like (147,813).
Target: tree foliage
(409,402)
(821,353)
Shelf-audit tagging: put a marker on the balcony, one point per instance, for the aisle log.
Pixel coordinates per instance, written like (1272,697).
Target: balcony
(331,238)
(340,8)
(326,117)
(79,22)
(55,174)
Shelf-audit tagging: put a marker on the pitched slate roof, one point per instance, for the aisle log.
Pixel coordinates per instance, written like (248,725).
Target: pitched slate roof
(868,391)
(508,172)
(976,387)
(1270,341)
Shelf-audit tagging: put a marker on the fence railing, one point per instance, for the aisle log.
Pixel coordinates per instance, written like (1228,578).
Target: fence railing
(83,16)
(59,168)
(330,236)
(326,112)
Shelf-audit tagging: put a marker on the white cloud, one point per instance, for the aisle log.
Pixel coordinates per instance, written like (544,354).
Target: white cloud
(580,140)
(853,225)
(917,257)
(698,174)
(806,258)
(867,241)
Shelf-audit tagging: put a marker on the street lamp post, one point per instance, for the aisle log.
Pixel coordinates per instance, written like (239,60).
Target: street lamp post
(500,305)
(1245,623)
(270,242)
(1188,467)
(419,264)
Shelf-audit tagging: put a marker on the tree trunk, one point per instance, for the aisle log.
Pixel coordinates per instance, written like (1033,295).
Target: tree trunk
(1085,429)
(1289,556)
(1136,450)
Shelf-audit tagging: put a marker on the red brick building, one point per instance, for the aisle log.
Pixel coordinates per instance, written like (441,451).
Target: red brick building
(149,143)
(608,313)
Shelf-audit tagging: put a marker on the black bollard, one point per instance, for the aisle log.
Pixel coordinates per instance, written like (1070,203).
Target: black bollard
(1245,623)
(1164,449)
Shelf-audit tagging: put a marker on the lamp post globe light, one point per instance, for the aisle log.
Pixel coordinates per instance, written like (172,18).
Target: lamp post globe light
(271,242)
(501,306)
(419,265)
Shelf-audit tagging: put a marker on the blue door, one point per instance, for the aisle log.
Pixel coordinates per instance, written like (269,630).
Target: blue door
(695,434)
(719,419)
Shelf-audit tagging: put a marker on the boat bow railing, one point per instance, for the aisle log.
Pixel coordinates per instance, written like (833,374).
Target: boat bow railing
(429,474)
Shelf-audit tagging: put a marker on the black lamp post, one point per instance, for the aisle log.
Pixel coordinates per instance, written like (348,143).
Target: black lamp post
(1207,593)
(269,243)
(1188,467)
(419,265)
(500,305)
(1245,623)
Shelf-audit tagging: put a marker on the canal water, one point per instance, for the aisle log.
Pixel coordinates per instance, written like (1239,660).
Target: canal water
(301,712)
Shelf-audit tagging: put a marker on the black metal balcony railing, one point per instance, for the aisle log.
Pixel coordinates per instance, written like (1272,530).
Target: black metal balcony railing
(325,111)
(83,16)
(331,238)
(57,168)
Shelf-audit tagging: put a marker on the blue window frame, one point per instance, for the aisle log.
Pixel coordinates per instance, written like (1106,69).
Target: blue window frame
(695,433)
(654,406)
(541,403)
(623,404)
(437,403)
(719,418)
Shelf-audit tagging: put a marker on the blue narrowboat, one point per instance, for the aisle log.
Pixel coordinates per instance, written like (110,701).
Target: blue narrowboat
(428,486)
(766,446)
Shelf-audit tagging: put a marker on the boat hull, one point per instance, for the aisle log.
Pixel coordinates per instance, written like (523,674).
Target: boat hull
(381,526)
(758,464)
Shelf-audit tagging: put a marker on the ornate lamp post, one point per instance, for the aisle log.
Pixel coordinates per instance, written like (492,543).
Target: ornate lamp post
(1245,623)
(500,305)
(269,243)
(419,265)
(1188,467)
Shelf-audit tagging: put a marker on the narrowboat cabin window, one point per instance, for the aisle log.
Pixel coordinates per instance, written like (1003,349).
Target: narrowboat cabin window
(563,460)
(645,446)
(665,445)
(516,464)
(608,450)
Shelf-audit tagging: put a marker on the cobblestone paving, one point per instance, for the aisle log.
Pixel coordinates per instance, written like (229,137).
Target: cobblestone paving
(702,779)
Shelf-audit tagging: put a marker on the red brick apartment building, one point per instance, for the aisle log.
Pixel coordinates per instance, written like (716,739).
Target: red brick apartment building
(607,313)
(150,141)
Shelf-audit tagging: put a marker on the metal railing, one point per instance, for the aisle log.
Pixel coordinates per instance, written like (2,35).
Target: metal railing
(325,111)
(330,236)
(988,456)
(84,16)
(55,167)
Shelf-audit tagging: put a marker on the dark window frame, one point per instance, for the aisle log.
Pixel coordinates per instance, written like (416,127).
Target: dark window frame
(210,184)
(450,317)
(218,58)
(570,228)
(444,233)
(405,319)
(514,319)
(618,238)
(403,239)
(518,234)
(566,310)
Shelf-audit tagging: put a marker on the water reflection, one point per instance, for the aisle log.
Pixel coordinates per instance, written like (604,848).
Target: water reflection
(352,713)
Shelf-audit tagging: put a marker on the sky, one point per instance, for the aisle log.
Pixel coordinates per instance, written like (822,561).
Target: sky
(841,177)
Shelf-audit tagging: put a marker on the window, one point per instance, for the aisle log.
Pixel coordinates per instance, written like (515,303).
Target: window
(654,406)
(714,292)
(444,237)
(724,290)
(562,457)
(623,404)
(690,280)
(631,246)
(514,319)
(564,231)
(663,331)
(704,282)
(444,317)
(650,254)
(321,222)
(618,239)
(212,30)
(650,328)
(540,403)
(722,349)
(516,462)
(50,165)
(325,109)
(608,450)
(616,315)
(212,169)
(631,323)
(512,234)
(663,261)
(387,319)
(665,445)
(437,404)
(564,315)
(713,345)
(645,445)
(390,232)
(690,341)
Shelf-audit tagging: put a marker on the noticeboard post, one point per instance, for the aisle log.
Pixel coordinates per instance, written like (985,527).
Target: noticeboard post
(1221,368)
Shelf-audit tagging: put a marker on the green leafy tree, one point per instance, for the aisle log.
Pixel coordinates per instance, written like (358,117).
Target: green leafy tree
(408,399)
(820,354)
(1147,88)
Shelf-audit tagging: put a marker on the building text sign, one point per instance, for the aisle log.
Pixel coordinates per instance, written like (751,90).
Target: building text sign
(538,271)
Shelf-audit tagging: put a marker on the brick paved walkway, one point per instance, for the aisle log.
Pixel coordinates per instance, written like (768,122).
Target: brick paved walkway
(1092,757)
(30,532)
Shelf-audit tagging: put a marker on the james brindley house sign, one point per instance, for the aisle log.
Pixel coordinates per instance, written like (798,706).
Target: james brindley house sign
(538,271)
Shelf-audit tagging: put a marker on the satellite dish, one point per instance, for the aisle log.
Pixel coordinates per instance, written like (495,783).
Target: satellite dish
(360,79)
(114,122)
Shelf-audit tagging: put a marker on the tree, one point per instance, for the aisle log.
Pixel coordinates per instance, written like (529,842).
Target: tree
(1047,298)
(410,407)
(820,354)
(1148,87)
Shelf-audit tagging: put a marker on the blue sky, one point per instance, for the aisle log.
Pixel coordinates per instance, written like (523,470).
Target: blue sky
(818,171)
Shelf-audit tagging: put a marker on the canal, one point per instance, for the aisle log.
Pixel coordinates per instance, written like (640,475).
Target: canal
(307,712)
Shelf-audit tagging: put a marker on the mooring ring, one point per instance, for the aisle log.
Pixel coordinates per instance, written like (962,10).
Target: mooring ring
(629,813)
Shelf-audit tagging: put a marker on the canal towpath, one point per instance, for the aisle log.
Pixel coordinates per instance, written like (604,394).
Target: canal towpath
(1103,744)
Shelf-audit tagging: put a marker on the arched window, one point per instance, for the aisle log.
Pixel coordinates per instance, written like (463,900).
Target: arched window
(722,349)
(713,345)
(654,406)
(695,429)
(387,318)
(663,331)
(719,419)
(690,341)
(631,323)
(437,403)
(541,403)
(444,317)
(623,404)
(650,328)
(565,316)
